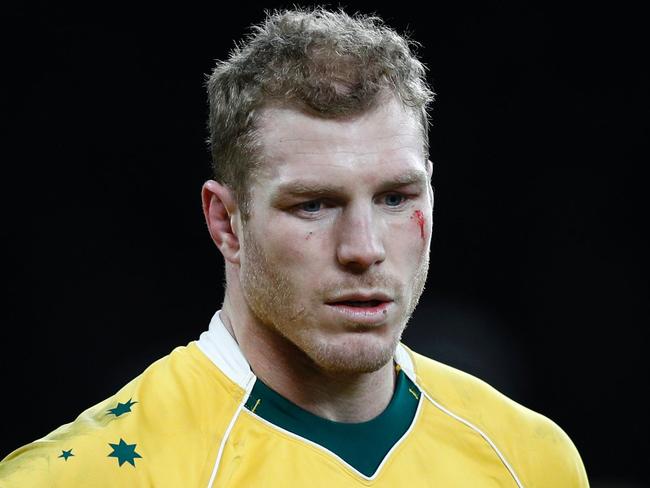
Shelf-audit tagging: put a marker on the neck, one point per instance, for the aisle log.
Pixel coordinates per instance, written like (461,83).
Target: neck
(341,397)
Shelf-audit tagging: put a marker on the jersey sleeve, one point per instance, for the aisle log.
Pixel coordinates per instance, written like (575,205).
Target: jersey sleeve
(161,429)
(539,452)
(551,459)
(38,465)
(85,452)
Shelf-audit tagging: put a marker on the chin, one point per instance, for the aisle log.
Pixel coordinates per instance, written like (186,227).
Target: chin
(354,354)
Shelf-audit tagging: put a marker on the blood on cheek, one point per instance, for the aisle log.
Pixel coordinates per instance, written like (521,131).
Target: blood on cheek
(418,216)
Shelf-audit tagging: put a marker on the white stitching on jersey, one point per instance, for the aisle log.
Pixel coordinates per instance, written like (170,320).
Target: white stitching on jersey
(482,434)
(249,388)
(460,419)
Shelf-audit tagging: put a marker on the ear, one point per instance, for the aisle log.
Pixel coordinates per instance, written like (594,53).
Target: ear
(430,176)
(222,216)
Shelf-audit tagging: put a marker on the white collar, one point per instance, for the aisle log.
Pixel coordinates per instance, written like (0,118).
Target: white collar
(222,349)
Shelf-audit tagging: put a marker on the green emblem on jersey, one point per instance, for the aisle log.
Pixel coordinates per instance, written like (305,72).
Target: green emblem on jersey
(125,453)
(66,454)
(122,408)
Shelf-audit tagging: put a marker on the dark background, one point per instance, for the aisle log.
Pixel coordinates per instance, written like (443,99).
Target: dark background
(538,281)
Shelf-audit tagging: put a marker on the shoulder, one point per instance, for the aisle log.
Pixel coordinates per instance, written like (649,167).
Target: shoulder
(169,413)
(538,450)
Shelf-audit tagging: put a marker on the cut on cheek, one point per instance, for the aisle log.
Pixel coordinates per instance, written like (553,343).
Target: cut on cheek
(418,216)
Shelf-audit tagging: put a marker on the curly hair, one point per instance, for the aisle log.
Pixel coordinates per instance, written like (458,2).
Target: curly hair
(327,63)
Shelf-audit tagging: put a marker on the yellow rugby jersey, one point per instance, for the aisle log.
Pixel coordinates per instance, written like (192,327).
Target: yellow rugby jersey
(189,420)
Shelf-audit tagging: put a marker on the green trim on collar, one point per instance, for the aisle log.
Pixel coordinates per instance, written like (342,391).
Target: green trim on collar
(362,445)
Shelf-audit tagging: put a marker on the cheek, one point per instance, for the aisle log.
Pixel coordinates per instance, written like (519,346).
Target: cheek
(289,248)
(410,232)
(406,237)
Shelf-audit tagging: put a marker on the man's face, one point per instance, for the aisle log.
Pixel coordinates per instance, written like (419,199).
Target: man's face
(335,253)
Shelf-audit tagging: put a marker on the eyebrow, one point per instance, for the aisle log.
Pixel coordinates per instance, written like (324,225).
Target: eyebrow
(318,189)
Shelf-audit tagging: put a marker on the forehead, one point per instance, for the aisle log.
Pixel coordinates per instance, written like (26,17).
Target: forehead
(385,140)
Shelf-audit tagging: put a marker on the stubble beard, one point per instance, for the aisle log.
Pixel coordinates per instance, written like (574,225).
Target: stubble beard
(274,300)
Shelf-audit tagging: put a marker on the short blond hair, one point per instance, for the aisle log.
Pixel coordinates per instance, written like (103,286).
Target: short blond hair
(324,62)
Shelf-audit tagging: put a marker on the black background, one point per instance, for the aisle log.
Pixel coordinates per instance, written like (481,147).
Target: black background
(538,280)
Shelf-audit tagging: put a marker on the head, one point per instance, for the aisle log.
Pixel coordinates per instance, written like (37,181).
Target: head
(322,202)
(327,63)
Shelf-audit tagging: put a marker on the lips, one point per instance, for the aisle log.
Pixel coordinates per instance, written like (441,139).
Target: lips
(369,299)
(353,303)
(370,309)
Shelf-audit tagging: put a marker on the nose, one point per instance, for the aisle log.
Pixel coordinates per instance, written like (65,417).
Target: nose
(360,239)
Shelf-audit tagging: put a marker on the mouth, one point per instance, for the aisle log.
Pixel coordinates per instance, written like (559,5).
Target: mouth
(369,310)
(358,303)
(360,298)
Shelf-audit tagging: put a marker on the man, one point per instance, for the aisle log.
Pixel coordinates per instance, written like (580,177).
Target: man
(322,208)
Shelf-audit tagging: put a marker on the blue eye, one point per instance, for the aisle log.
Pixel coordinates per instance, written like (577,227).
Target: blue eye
(311,206)
(394,199)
